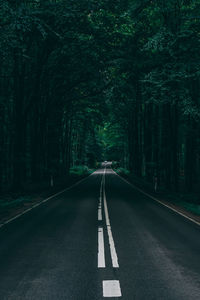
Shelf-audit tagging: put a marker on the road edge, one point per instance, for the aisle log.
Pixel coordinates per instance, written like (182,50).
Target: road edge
(180,212)
(43,201)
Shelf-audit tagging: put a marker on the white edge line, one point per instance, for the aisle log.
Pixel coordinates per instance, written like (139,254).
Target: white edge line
(157,200)
(43,201)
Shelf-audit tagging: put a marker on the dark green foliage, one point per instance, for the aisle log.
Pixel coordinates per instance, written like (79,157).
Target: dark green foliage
(51,82)
(158,79)
(82,81)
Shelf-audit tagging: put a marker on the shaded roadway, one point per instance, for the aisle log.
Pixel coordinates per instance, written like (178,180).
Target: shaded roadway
(51,252)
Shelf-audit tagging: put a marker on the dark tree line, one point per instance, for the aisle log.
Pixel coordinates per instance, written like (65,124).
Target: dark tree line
(82,78)
(51,79)
(158,81)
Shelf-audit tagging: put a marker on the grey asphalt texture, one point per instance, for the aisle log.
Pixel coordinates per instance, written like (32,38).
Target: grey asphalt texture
(51,251)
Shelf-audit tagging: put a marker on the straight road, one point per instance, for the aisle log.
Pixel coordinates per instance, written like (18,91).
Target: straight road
(100,239)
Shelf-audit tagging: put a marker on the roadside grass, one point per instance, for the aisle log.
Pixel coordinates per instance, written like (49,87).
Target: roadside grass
(194,208)
(190,202)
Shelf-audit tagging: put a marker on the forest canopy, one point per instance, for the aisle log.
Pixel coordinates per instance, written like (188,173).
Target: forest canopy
(86,81)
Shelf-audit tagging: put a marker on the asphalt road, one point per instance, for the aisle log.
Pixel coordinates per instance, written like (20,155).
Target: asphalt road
(101,239)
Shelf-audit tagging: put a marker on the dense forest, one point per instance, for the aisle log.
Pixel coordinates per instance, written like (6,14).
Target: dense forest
(85,81)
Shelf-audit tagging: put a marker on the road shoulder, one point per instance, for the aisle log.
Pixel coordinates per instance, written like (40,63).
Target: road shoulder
(177,209)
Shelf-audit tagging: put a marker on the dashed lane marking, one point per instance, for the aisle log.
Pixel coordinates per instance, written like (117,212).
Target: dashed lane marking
(100,214)
(113,251)
(101,251)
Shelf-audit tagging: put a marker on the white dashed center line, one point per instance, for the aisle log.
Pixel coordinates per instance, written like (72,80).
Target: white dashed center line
(100,214)
(101,252)
(111,288)
(113,252)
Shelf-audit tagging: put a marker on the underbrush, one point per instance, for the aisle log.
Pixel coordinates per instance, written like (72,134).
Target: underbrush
(80,170)
(122,171)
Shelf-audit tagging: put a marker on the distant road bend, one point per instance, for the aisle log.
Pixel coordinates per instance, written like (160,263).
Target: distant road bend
(100,239)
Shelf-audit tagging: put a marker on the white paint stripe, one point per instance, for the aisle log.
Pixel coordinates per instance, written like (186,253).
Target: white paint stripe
(101,190)
(112,248)
(36,205)
(113,252)
(101,251)
(106,211)
(99,214)
(157,200)
(111,288)
(43,201)
(100,203)
(14,218)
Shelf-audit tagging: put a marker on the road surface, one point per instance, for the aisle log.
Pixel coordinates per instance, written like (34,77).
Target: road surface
(100,239)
